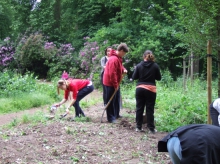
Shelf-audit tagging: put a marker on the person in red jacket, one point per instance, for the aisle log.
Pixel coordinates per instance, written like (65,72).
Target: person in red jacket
(113,74)
(79,88)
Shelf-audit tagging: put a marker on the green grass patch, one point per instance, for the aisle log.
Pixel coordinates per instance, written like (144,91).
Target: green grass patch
(24,102)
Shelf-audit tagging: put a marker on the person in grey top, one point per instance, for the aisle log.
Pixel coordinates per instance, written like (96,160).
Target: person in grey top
(104,60)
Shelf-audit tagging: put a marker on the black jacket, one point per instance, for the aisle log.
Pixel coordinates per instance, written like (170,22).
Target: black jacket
(200,143)
(147,72)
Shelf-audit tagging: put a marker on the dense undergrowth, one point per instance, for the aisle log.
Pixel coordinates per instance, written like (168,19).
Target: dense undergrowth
(19,92)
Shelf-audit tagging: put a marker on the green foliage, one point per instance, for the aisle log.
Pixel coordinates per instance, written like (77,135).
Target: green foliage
(167,79)
(20,18)
(6,14)
(30,54)
(5,23)
(36,118)
(23,92)
(175,108)
(23,102)
(15,84)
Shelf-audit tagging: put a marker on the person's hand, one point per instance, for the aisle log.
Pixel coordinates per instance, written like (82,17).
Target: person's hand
(125,71)
(67,110)
(57,105)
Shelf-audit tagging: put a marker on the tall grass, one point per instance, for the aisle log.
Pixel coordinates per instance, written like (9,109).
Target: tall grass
(174,106)
(19,92)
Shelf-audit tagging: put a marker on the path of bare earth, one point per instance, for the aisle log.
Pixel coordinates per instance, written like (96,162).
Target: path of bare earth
(65,142)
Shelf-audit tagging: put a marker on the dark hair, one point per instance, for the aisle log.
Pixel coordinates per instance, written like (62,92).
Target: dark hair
(148,55)
(123,46)
(107,49)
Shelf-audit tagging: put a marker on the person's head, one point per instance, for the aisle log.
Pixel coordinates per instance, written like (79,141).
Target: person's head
(148,56)
(122,49)
(65,75)
(62,84)
(107,51)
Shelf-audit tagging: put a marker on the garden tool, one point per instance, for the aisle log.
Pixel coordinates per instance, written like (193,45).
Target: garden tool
(111,98)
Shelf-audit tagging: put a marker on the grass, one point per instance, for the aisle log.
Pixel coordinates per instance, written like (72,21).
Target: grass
(23,102)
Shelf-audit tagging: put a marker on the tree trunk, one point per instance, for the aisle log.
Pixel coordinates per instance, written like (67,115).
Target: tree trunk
(57,14)
(184,74)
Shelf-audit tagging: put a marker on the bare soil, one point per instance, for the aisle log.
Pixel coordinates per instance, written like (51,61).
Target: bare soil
(66,142)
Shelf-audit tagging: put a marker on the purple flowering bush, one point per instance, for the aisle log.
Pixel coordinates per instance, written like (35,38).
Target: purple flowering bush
(44,58)
(30,54)
(89,58)
(65,58)
(7,51)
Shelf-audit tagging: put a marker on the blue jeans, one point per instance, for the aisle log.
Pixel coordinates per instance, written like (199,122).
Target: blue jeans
(81,94)
(175,150)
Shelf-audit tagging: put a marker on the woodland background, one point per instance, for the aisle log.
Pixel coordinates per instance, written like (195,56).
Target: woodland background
(48,36)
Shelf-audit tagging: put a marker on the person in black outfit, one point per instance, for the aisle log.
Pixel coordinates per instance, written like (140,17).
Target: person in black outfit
(192,144)
(146,72)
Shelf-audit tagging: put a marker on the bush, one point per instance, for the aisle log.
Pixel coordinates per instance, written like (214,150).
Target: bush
(16,84)
(7,51)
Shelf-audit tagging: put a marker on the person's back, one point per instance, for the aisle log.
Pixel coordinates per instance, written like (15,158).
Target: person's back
(148,72)
(199,144)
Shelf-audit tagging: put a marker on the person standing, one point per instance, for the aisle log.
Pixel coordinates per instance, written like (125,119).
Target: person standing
(192,144)
(215,112)
(113,74)
(79,88)
(104,60)
(146,72)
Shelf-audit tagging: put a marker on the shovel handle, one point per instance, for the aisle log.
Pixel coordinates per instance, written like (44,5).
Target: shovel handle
(111,98)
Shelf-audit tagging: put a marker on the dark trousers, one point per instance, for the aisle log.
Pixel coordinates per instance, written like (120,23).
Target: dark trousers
(103,89)
(81,94)
(145,98)
(113,109)
(214,115)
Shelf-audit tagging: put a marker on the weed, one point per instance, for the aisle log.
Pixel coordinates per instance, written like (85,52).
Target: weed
(25,119)
(74,159)
(13,123)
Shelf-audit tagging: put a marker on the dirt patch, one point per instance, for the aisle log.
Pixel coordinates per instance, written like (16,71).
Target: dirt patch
(65,142)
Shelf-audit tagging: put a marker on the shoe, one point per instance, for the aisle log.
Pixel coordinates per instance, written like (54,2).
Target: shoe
(113,121)
(139,130)
(119,116)
(152,131)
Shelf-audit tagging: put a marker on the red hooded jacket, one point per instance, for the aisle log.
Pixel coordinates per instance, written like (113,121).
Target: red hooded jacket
(113,70)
